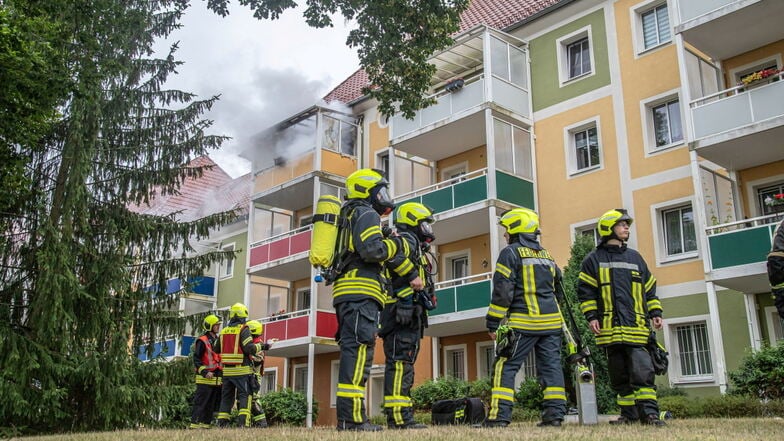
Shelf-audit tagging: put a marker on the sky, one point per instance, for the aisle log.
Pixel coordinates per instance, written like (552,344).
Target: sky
(263,70)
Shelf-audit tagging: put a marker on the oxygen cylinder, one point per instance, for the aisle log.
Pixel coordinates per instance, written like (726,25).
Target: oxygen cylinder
(325,231)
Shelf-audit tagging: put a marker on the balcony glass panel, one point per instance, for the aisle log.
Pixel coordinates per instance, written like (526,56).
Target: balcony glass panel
(691,9)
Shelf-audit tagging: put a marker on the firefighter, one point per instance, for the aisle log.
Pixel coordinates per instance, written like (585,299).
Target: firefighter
(776,269)
(236,346)
(617,295)
(525,286)
(259,419)
(207,364)
(359,292)
(404,317)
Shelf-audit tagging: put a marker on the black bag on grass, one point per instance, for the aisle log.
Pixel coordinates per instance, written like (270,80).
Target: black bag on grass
(460,411)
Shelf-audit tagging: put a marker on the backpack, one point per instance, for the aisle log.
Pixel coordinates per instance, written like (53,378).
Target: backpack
(459,411)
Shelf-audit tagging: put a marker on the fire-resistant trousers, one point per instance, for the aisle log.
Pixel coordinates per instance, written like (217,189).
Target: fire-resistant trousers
(205,399)
(357,330)
(401,348)
(235,388)
(259,419)
(632,379)
(548,366)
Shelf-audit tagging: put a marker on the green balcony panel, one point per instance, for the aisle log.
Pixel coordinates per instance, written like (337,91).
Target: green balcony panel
(446,301)
(514,190)
(470,191)
(439,201)
(741,247)
(462,297)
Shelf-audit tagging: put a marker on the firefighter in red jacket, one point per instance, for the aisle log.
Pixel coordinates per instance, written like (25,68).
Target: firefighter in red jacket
(208,374)
(235,346)
(256,411)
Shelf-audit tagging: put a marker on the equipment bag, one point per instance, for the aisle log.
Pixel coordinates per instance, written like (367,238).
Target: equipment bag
(659,355)
(459,411)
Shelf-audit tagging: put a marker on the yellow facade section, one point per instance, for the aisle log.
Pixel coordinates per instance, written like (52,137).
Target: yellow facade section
(280,175)
(335,163)
(759,55)
(644,76)
(478,249)
(647,232)
(565,200)
(378,139)
(475,159)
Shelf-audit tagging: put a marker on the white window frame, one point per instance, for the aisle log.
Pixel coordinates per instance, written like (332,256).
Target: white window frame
(481,347)
(648,128)
(380,156)
(660,246)
(771,317)
(273,370)
(562,45)
(752,187)
(740,71)
(453,348)
(305,220)
(571,147)
(463,166)
(670,342)
(228,264)
(333,389)
(297,305)
(297,367)
(638,37)
(449,257)
(580,227)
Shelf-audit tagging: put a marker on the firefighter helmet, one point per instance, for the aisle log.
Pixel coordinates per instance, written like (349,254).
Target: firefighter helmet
(609,219)
(238,310)
(255,327)
(520,221)
(418,218)
(210,321)
(370,183)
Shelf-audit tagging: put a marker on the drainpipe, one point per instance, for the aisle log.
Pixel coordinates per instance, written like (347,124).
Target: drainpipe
(435,343)
(715,325)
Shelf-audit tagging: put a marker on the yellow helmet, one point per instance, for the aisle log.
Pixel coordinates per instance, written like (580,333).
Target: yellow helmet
(210,321)
(520,221)
(609,219)
(418,218)
(370,184)
(255,327)
(238,310)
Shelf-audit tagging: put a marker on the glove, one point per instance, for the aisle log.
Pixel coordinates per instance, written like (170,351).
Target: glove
(386,231)
(778,300)
(404,313)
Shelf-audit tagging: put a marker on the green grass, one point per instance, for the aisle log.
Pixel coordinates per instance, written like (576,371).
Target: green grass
(751,429)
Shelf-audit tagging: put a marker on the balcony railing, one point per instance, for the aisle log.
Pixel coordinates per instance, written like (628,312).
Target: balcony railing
(470,188)
(170,347)
(295,325)
(463,294)
(741,242)
(691,9)
(204,286)
(738,107)
(280,246)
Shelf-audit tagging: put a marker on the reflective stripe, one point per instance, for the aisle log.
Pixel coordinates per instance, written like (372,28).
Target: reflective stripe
(588,305)
(604,279)
(370,231)
(645,393)
(627,400)
(502,393)
(498,369)
(620,265)
(404,268)
(554,393)
(502,270)
(496,311)
(654,304)
(588,279)
(623,334)
(639,310)
(535,323)
(649,284)
(529,288)
(397,401)
(350,390)
(236,371)
(214,381)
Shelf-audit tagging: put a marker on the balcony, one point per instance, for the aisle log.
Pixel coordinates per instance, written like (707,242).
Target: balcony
(726,28)
(738,252)
(203,286)
(170,347)
(495,67)
(462,305)
(282,257)
(292,332)
(739,128)
(461,204)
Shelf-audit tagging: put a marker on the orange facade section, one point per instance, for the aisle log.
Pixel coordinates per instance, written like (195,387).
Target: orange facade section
(337,164)
(279,175)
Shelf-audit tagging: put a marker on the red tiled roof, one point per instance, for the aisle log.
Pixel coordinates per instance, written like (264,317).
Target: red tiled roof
(498,14)
(231,195)
(191,195)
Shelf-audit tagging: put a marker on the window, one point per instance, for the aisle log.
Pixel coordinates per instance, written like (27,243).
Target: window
(507,62)
(582,145)
(679,234)
(382,162)
(303,299)
(775,325)
(227,265)
(454,172)
(268,298)
(588,231)
(269,381)
(268,223)
(512,149)
(457,265)
(338,136)
(305,220)
(747,72)
(574,54)
(579,58)
(655,26)
(768,192)
(338,192)
(300,378)
(410,174)
(333,391)
(455,363)
(485,358)
(667,125)
(693,350)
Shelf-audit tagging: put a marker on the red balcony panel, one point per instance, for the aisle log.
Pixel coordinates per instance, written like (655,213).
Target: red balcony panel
(300,242)
(326,324)
(297,327)
(259,255)
(280,248)
(275,330)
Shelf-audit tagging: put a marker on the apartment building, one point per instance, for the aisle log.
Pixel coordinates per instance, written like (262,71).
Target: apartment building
(571,108)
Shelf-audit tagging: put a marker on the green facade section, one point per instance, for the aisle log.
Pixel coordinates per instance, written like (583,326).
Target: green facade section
(544,63)
(232,289)
(734,327)
(514,190)
(750,245)
(462,297)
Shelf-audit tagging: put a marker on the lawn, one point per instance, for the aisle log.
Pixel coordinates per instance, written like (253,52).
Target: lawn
(752,429)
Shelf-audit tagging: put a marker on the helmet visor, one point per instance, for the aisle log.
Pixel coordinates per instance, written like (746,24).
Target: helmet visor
(381,200)
(426,230)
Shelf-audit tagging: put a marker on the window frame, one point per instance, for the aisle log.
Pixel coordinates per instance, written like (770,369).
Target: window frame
(462,166)
(583,227)
(448,261)
(226,267)
(481,348)
(455,348)
(570,146)
(670,342)
(294,370)
(649,126)
(760,202)
(660,245)
(263,377)
(562,51)
(297,293)
(637,12)
(333,392)
(771,315)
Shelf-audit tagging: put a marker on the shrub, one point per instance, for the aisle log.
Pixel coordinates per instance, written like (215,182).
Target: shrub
(761,374)
(530,394)
(445,388)
(670,392)
(287,407)
(522,414)
(727,406)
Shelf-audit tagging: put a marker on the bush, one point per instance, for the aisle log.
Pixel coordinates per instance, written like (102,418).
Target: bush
(670,392)
(761,374)
(522,414)
(287,407)
(727,406)
(530,394)
(445,388)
